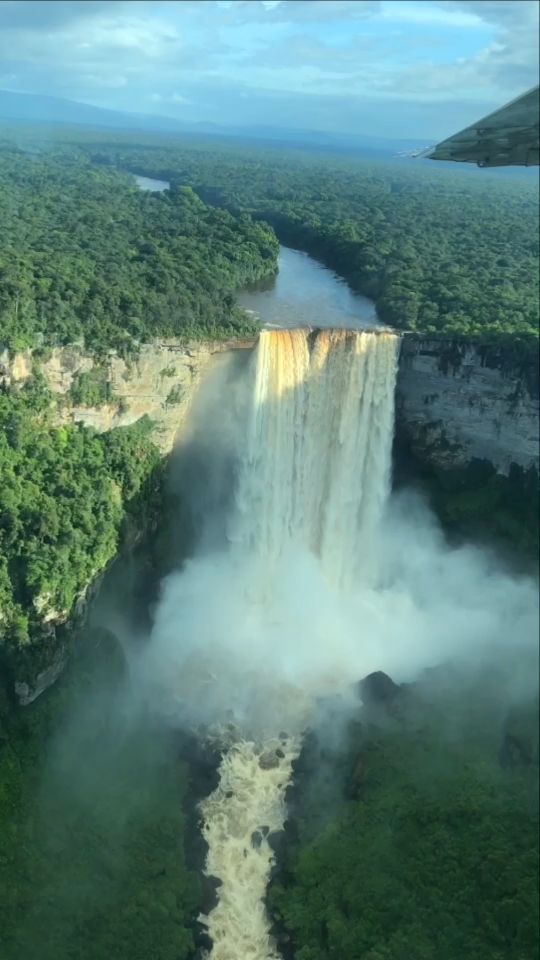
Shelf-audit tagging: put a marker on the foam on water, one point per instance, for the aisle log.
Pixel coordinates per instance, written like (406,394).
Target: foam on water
(248,806)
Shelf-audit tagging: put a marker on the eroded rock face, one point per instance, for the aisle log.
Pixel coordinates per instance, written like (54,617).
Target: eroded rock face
(159,383)
(58,627)
(27,692)
(457,402)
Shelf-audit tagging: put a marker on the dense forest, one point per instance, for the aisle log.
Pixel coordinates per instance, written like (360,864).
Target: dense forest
(439,251)
(65,494)
(88,258)
(92,823)
(419,838)
(85,256)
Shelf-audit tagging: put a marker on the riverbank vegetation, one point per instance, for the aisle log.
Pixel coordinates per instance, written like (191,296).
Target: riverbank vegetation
(420,839)
(65,495)
(88,257)
(441,251)
(92,823)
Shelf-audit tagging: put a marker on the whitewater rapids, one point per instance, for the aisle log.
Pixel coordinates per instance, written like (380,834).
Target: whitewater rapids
(247,807)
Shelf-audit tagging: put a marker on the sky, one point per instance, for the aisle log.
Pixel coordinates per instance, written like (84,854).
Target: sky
(390,68)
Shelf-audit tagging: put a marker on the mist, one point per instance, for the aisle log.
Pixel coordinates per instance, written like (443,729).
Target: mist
(239,640)
(216,656)
(259,632)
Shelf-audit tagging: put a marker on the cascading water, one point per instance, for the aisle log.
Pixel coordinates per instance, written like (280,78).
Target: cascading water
(286,602)
(313,479)
(316,467)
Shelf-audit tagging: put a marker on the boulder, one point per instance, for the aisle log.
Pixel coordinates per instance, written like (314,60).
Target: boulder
(209,887)
(268,761)
(256,839)
(378,689)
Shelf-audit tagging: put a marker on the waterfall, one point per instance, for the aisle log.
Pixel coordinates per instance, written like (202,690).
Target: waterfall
(313,477)
(287,603)
(315,470)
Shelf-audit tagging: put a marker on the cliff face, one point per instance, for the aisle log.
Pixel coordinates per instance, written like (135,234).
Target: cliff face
(159,383)
(456,402)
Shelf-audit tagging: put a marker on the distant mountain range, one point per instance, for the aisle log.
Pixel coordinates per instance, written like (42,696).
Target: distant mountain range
(55,110)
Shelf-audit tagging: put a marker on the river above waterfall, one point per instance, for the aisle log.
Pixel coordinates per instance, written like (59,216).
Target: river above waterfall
(305,292)
(154,186)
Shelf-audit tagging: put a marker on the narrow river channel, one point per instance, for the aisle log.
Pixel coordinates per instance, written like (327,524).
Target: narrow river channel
(304,292)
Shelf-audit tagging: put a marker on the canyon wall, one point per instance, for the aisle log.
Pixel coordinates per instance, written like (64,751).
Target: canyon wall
(457,402)
(159,383)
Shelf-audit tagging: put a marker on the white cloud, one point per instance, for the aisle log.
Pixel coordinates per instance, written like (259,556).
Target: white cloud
(296,11)
(325,10)
(504,68)
(39,15)
(422,12)
(120,54)
(104,80)
(501,13)
(172,98)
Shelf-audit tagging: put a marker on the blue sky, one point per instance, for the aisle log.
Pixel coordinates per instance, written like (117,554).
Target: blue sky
(403,68)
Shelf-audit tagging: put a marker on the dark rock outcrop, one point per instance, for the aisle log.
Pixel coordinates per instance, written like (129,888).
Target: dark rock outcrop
(210,886)
(256,839)
(202,940)
(277,841)
(204,760)
(378,689)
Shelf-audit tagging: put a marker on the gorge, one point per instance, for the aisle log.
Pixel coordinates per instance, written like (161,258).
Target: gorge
(466,413)
(293,714)
(304,576)
(315,579)
(313,475)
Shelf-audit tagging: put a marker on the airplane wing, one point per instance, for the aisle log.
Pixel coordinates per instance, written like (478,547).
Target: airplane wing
(506,138)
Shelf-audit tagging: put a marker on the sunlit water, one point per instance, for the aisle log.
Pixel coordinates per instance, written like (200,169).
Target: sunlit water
(154,186)
(304,292)
(307,293)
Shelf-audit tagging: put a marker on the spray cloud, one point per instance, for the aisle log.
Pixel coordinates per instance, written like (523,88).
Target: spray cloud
(316,576)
